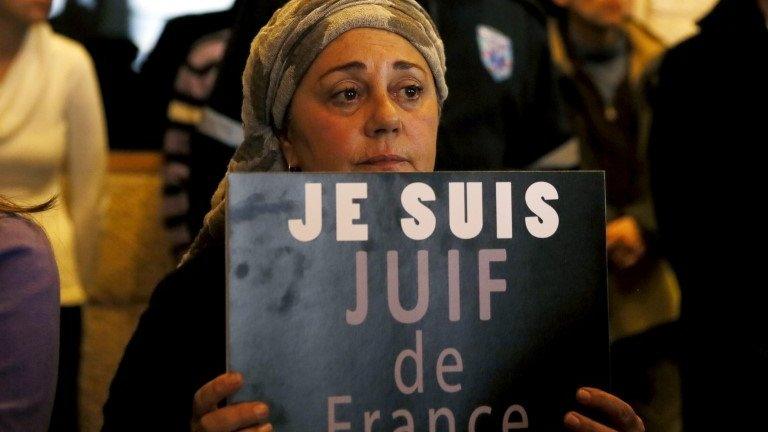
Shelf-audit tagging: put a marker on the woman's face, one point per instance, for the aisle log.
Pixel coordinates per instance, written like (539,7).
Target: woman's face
(26,12)
(367,103)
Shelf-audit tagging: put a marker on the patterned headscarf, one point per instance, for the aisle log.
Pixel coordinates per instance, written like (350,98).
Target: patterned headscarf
(282,53)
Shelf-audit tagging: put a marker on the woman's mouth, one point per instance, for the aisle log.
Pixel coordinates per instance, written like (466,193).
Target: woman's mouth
(385,162)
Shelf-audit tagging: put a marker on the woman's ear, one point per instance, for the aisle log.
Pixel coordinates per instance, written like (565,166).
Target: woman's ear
(289,151)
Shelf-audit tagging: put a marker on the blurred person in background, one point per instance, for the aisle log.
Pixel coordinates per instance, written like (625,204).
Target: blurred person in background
(195,81)
(606,59)
(171,72)
(53,143)
(29,321)
(710,127)
(505,110)
(197,152)
(94,24)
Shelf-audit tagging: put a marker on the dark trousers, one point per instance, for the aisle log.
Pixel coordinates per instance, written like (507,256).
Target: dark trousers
(725,367)
(65,417)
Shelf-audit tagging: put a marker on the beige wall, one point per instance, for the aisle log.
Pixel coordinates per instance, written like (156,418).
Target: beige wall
(134,250)
(134,257)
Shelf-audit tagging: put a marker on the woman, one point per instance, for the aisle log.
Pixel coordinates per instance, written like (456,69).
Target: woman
(29,321)
(340,85)
(53,143)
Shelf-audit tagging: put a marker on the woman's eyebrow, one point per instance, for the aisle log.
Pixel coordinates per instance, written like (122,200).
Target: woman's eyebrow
(405,65)
(346,67)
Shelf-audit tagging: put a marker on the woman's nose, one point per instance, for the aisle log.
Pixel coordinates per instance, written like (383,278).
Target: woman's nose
(384,117)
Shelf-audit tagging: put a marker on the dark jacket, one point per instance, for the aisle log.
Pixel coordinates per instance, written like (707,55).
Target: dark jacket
(209,154)
(611,138)
(153,389)
(709,128)
(710,122)
(158,73)
(503,122)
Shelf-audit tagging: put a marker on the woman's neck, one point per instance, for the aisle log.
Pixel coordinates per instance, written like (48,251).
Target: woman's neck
(591,36)
(11,39)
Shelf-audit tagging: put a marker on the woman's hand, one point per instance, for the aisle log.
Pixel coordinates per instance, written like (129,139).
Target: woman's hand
(243,417)
(621,416)
(625,242)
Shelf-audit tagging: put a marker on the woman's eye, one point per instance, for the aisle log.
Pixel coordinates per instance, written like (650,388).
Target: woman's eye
(350,94)
(412,92)
(347,95)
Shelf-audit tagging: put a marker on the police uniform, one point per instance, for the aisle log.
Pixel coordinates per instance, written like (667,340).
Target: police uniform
(503,110)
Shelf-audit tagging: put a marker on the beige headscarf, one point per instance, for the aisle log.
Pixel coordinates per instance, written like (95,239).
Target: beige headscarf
(282,53)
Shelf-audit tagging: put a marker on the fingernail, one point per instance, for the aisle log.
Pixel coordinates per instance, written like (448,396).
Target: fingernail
(583,396)
(265,428)
(571,420)
(261,410)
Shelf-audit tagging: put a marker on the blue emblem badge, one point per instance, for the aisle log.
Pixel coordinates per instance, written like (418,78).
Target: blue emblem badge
(495,52)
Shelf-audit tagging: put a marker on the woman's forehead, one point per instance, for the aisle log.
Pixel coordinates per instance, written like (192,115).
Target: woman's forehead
(366,47)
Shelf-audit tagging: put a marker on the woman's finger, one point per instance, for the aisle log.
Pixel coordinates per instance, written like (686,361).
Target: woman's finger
(261,428)
(235,417)
(208,396)
(580,423)
(618,412)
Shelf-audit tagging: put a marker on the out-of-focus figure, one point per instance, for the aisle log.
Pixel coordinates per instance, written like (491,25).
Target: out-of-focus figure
(102,28)
(205,130)
(505,110)
(160,77)
(605,57)
(53,143)
(29,321)
(194,82)
(710,128)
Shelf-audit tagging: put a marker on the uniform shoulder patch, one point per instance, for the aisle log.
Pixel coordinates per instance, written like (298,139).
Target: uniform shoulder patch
(496,52)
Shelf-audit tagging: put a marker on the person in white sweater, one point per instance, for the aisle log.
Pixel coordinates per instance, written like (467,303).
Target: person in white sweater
(53,143)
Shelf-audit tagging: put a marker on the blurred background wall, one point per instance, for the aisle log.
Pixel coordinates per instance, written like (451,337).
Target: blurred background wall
(135,256)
